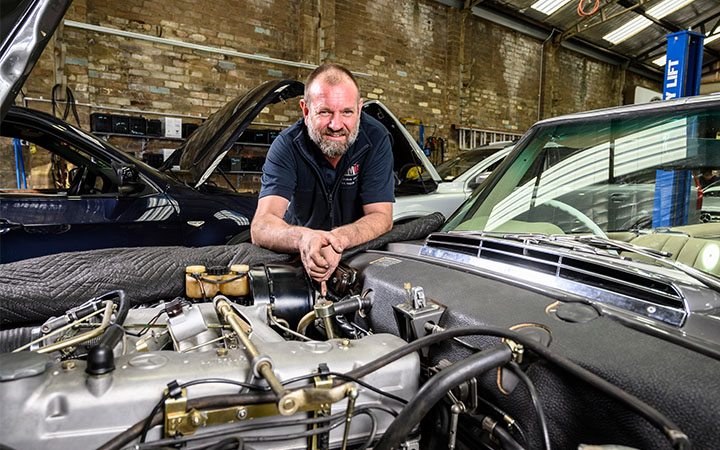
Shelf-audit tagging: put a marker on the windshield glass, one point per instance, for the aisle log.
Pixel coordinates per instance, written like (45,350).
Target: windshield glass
(623,176)
(453,168)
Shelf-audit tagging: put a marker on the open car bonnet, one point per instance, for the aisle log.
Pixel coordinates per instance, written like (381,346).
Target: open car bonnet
(209,144)
(26,26)
(406,152)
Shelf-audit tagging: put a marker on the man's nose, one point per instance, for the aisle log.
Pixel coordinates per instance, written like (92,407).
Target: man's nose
(336,121)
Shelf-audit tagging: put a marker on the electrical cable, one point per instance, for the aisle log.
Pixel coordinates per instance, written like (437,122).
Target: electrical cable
(335,420)
(347,378)
(490,405)
(231,443)
(159,404)
(659,420)
(542,421)
(212,401)
(70,104)
(581,11)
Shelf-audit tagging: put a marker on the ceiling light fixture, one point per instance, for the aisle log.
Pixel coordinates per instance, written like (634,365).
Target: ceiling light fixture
(549,6)
(709,39)
(639,23)
(661,61)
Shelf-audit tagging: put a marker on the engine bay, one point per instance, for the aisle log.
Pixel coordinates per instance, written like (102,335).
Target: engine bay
(255,358)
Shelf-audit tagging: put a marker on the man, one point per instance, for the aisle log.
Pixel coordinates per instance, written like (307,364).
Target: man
(327,182)
(707,178)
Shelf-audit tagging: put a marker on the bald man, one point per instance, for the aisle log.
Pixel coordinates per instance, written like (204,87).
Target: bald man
(327,182)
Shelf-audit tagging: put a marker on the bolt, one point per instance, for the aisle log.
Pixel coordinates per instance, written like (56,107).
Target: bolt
(651,309)
(68,365)
(196,419)
(289,404)
(345,343)
(222,351)
(242,413)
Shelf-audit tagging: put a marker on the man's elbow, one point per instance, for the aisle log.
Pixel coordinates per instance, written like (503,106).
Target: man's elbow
(256,232)
(387,224)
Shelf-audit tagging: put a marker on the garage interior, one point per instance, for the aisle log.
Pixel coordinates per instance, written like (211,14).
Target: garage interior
(457,74)
(548,276)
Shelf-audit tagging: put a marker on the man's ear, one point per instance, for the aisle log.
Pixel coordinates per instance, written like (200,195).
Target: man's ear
(360,103)
(304,107)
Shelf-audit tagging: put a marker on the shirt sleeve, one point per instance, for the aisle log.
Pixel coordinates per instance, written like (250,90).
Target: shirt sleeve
(279,172)
(377,183)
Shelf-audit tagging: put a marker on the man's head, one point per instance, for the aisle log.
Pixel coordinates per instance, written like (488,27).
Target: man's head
(707,174)
(331,107)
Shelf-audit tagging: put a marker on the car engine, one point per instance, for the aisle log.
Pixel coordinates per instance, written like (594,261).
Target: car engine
(255,358)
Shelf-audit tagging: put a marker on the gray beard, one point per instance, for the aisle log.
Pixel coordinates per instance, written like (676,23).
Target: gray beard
(331,149)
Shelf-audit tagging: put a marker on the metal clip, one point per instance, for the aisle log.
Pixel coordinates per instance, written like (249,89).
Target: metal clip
(517,350)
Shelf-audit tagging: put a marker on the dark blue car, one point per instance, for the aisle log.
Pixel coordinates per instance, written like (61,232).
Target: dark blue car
(101,197)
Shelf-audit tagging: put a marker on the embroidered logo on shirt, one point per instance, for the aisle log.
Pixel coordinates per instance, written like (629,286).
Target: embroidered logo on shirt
(351,175)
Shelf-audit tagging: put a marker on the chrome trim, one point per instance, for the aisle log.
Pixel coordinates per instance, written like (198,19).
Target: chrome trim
(557,277)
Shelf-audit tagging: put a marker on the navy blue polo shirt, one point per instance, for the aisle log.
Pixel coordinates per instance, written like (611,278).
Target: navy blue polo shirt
(322,197)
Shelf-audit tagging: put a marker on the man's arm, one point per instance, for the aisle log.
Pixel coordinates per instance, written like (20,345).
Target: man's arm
(319,250)
(377,220)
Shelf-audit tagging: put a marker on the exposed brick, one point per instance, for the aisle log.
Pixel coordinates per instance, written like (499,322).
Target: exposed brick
(410,48)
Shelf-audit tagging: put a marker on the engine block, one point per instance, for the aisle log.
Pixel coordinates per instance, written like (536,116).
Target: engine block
(57,405)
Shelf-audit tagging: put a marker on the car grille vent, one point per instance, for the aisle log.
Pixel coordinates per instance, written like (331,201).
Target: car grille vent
(560,265)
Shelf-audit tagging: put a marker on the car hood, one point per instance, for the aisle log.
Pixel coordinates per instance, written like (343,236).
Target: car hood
(405,149)
(207,146)
(26,26)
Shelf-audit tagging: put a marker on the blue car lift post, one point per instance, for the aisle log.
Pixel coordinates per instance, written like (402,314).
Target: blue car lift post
(682,79)
(19,165)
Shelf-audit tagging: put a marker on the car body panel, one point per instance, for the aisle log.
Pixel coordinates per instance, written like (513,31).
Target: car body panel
(449,195)
(26,27)
(164,212)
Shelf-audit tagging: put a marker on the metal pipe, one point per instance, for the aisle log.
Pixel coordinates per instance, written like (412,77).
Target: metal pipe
(60,330)
(305,321)
(204,48)
(264,367)
(140,111)
(84,336)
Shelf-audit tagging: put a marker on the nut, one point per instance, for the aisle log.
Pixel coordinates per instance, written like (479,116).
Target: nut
(68,365)
(222,351)
(242,413)
(196,418)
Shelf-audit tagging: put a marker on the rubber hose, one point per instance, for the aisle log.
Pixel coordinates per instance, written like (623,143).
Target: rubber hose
(437,387)
(663,423)
(14,338)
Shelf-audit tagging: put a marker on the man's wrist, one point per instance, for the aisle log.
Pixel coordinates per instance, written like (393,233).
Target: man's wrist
(342,235)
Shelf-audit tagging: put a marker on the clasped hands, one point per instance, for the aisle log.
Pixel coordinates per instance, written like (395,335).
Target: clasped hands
(320,252)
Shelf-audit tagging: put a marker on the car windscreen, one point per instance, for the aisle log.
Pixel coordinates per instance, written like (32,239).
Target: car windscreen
(633,173)
(453,168)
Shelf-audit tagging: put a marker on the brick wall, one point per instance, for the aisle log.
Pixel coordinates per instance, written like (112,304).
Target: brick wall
(427,61)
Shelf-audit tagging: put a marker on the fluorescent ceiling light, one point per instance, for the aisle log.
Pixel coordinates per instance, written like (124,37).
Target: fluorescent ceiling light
(639,23)
(667,7)
(660,61)
(709,39)
(629,29)
(548,6)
